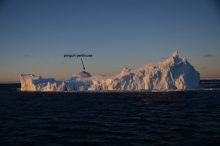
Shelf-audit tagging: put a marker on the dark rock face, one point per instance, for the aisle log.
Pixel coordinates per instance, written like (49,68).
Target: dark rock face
(83,73)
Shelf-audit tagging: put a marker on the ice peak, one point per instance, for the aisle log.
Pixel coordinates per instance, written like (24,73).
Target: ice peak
(184,59)
(175,59)
(175,54)
(125,70)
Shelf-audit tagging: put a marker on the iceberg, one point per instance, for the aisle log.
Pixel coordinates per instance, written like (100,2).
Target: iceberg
(174,73)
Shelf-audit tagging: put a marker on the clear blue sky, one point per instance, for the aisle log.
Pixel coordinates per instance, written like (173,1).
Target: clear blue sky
(35,35)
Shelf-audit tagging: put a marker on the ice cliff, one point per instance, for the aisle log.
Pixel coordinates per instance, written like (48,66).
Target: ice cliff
(174,73)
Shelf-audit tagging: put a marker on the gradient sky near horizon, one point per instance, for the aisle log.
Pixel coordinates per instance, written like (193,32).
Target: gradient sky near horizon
(35,35)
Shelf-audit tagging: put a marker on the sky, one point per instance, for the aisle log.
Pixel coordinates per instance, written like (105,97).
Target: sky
(36,34)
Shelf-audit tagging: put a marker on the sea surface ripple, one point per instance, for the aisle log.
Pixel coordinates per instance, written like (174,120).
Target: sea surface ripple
(109,119)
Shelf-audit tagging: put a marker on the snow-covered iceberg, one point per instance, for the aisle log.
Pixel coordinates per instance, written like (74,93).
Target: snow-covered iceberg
(174,73)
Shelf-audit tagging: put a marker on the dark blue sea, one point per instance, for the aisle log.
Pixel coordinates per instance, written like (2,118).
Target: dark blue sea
(110,119)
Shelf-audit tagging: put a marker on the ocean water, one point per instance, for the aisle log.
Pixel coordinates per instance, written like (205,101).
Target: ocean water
(109,119)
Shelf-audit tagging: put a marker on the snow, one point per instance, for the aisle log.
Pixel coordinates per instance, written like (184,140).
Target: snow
(174,73)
